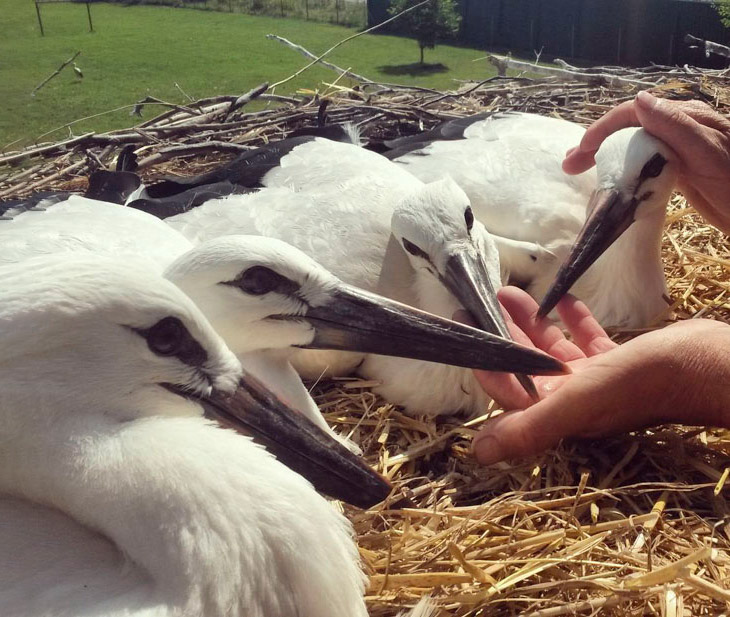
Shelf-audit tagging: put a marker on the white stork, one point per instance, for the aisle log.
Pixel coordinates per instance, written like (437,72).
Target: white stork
(606,224)
(119,498)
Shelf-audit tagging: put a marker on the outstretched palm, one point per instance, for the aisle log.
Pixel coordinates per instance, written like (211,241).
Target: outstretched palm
(662,376)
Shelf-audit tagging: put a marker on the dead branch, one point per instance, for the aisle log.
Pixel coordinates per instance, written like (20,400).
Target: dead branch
(247,98)
(173,151)
(45,149)
(345,40)
(709,46)
(56,72)
(504,62)
(311,56)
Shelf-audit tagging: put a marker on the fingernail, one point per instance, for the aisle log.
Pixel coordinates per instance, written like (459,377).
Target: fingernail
(646,100)
(486,449)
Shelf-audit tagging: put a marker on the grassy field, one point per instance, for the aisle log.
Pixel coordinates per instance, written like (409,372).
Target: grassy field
(145,50)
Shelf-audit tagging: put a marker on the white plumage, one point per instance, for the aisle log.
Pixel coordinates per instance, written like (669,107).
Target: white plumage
(118,497)
(262,295)
(352,210)
(510,167)
(90,226)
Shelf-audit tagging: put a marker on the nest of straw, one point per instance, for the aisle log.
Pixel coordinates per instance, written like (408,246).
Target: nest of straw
(634,525)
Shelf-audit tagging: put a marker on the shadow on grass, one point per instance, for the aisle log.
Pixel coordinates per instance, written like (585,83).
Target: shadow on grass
(414,69)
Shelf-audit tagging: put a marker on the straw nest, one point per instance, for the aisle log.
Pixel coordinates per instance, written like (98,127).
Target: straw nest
(633,525)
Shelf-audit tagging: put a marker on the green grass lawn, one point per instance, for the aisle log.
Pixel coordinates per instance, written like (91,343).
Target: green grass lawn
(145,50)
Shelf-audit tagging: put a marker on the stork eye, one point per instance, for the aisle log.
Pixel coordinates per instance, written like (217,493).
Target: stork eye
(469,218)
(654,166)
(258,281)
(166,337)
(414,250)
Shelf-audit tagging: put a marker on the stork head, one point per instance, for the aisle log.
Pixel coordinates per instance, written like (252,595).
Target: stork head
(636,176)
(261,293)
(95,343)
(436,227)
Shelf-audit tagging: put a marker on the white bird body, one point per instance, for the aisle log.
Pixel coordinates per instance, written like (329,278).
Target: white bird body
(118,498)
(261,295)
(81,225)
(344,206)
(510,167)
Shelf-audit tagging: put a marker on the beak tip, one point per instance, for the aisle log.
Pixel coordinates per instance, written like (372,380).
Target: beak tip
(529,386)
(545,308)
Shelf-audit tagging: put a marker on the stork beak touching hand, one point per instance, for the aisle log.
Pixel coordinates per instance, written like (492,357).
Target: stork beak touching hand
(652,379)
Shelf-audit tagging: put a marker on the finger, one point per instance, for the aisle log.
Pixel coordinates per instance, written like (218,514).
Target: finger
(569,411)
(587,333)
(704,114)
(576,161)
(687,137)
(620,117)
(502,387)
(516,434)
(582,158)
(541,332)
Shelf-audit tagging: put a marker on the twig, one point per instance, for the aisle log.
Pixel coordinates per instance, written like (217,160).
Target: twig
(613,80)
(101,113)
(151,99)
(56,72)
(311,56)
(709,46)
(185,94)
(247,98)
(209,146)
(573,608)
(345,40)
(58,174)
(43,149)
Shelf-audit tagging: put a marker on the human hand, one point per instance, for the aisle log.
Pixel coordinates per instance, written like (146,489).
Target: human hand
(677,374)
(698,134)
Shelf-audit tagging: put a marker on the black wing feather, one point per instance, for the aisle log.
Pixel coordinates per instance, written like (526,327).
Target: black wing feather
(127,159)
(333,132)
(165,207)
(450,130)
(112,186)
(247,169)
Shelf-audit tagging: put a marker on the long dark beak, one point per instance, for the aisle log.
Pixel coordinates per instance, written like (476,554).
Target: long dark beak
(299,444)
(467,278)
(609,217)
(357,320)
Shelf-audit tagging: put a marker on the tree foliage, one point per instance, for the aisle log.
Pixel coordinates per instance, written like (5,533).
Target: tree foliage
(723,8)
(435,20)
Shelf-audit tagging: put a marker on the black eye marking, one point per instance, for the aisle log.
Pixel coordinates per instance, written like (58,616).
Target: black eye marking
(169,337)
(259,280)
(653,167)
(414,250)
(469,218)
(533,257)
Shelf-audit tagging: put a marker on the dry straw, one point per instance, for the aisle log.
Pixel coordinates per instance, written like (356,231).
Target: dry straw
(634,525)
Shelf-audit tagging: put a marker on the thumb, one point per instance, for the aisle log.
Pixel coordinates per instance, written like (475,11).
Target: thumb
(516,434)
(573,409)
(673,126)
